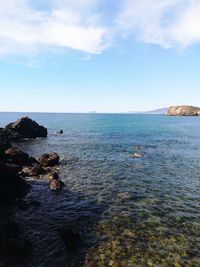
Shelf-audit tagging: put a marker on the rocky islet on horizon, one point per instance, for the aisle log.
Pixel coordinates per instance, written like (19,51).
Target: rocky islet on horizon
(183,110)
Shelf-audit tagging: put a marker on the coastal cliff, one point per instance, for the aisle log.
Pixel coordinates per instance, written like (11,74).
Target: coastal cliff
(183,111)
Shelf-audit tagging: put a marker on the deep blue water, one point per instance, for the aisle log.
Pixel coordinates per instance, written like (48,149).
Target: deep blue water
(130,212)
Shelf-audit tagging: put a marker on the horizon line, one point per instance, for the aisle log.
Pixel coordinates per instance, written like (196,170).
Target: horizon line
(88,112)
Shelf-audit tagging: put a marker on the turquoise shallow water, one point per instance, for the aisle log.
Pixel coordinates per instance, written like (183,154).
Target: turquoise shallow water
(130,212)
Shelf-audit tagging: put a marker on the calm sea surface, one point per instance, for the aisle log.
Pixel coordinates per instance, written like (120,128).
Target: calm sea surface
(129,212)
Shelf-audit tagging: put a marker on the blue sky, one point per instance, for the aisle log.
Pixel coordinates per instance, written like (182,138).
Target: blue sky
(80,56)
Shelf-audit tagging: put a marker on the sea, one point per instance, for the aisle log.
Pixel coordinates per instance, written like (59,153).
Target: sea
(129,211)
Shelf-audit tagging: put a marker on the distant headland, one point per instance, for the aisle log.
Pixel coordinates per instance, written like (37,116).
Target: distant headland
(183,110)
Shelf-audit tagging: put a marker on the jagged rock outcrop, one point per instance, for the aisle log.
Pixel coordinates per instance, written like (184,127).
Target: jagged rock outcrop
(16,164)
(183,111)
(25,128)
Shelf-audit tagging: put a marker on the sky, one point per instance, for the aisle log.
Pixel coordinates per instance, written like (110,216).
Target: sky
(99,55)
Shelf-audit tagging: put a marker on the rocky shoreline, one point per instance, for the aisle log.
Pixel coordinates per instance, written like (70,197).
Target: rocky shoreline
(15,167)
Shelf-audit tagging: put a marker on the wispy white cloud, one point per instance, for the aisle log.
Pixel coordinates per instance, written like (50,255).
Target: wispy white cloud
(29,26)
(66,23)
(168,23)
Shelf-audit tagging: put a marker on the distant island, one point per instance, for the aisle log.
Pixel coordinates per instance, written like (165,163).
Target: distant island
(183,111)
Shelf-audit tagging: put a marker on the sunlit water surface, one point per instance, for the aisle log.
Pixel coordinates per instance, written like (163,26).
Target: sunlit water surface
(129,212)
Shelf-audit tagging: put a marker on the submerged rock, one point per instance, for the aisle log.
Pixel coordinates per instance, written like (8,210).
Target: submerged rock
(70,238)
(25,128)
(56,184)
(49,160)
(88,263)
(137,155)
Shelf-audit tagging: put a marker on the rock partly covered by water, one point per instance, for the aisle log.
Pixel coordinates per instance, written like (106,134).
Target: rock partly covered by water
(183,111)
(49,160)
(25,128)
(56,184)
(16,164)
(53,176)
(33,171)
(137,155)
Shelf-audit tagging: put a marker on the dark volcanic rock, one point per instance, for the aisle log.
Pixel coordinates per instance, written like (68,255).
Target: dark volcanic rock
(17,156)
(4,144)
(11,185)
(49,160)
(3,133)
(71,238)
(33,161)
(13,168)
(25,128)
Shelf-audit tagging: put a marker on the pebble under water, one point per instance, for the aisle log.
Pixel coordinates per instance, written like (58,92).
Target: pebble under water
(129,211)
